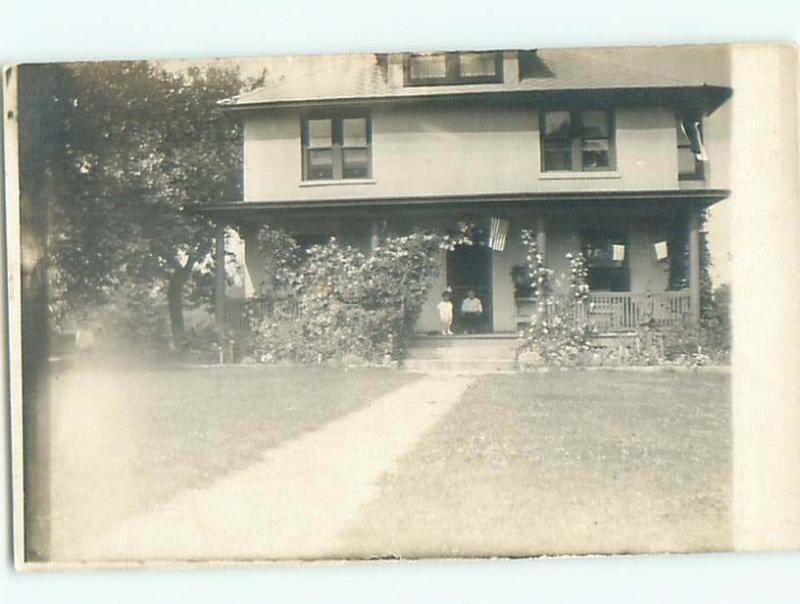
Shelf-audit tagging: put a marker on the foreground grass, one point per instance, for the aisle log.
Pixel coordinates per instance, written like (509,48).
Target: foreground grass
(574,462)
(124,441)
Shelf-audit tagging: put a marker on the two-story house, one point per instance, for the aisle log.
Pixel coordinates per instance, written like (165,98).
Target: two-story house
(592,156)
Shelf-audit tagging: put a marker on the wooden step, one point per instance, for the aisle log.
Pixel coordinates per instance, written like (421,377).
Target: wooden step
(465,341)
(459,352)
(462,366)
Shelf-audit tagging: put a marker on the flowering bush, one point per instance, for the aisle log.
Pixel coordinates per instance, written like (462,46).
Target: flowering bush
(347,304)
(539,277)
(558,332)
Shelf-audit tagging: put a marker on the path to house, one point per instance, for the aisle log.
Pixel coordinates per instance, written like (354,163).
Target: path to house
(297,500)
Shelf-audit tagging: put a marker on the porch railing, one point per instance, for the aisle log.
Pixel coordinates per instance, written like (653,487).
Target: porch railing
(608,311)
(624,311)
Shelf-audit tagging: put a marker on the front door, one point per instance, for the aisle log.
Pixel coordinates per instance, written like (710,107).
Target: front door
(469,267)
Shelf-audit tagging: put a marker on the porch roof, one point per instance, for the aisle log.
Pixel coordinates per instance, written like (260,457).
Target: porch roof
(242,209)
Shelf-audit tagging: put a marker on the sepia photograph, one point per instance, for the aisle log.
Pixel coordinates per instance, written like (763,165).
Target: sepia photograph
(377,306)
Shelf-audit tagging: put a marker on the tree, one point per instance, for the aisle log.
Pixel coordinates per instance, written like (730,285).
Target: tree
(139,143)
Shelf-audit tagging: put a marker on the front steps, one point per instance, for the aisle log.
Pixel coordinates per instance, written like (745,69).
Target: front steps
(462,354)
(482,353)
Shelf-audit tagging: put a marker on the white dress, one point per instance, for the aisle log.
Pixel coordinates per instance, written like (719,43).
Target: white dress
(445,312)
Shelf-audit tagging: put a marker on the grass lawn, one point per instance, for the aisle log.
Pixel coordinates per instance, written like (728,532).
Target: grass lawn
(123,441)
(570,462)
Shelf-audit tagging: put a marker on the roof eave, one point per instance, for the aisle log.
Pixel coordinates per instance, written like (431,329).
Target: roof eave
(705,98)
(700,197)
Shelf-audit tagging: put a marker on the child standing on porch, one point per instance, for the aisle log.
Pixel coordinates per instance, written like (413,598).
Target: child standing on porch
(445,308)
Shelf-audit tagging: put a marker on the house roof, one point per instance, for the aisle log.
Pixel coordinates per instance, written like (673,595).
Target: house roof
(340,78)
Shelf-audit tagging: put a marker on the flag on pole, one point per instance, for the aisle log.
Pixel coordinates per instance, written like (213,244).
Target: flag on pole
(618,252)
(661,250)
(498,233)
(691,130)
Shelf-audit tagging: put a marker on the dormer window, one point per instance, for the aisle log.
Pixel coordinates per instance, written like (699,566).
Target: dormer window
(427,68)
(448,68)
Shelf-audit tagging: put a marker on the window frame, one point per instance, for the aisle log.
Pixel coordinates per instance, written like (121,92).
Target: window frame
(613,236)
(337,146)
(453,70)
(684,143)
(576,140)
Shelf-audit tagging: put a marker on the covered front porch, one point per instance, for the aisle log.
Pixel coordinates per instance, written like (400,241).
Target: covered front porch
(644,252)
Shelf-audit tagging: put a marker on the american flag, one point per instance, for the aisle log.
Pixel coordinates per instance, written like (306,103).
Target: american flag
(497,234)
(691,130)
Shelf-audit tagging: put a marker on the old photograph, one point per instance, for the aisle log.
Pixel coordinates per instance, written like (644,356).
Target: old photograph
(399,305)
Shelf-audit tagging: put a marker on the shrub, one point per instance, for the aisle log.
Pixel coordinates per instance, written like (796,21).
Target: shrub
(716,320)
(202,344)
(345,305)
(135,318)
(688,344)
(559,330)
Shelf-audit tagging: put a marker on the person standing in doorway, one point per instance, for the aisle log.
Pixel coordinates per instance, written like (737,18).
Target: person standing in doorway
(471,312)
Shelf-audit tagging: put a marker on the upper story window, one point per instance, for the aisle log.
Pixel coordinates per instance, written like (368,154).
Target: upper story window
(336,148)
(578,141)
(691,154)
(444,68)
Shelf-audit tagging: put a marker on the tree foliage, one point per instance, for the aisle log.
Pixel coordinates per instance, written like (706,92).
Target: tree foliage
(347,303)
(137,143)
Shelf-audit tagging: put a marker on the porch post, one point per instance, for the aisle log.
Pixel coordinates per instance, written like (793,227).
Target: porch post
(541,236)
(219,275)
(374,234)
(694,263)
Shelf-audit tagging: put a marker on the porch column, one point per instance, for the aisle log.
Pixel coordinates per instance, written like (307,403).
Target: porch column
(219,275)
(541,236)
(694,263)
(374,234)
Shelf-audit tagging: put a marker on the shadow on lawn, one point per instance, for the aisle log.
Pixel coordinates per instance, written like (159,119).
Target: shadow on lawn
(127,437)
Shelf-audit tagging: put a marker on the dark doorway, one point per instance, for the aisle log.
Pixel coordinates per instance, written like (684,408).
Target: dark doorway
(469,267)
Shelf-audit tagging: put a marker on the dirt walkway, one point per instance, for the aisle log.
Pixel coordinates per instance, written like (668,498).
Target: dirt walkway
(297,500)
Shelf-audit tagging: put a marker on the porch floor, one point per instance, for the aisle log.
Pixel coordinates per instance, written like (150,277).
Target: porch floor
(496,335)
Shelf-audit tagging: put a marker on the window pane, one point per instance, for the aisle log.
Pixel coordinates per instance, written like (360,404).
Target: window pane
(595,154)
(355,163)
(354,132)
(557,125)
(320,164)
(320,133)
(557,156)
(598,247)
(686,161)
(595,124)
(475,64)
(609,279)
(427,66)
